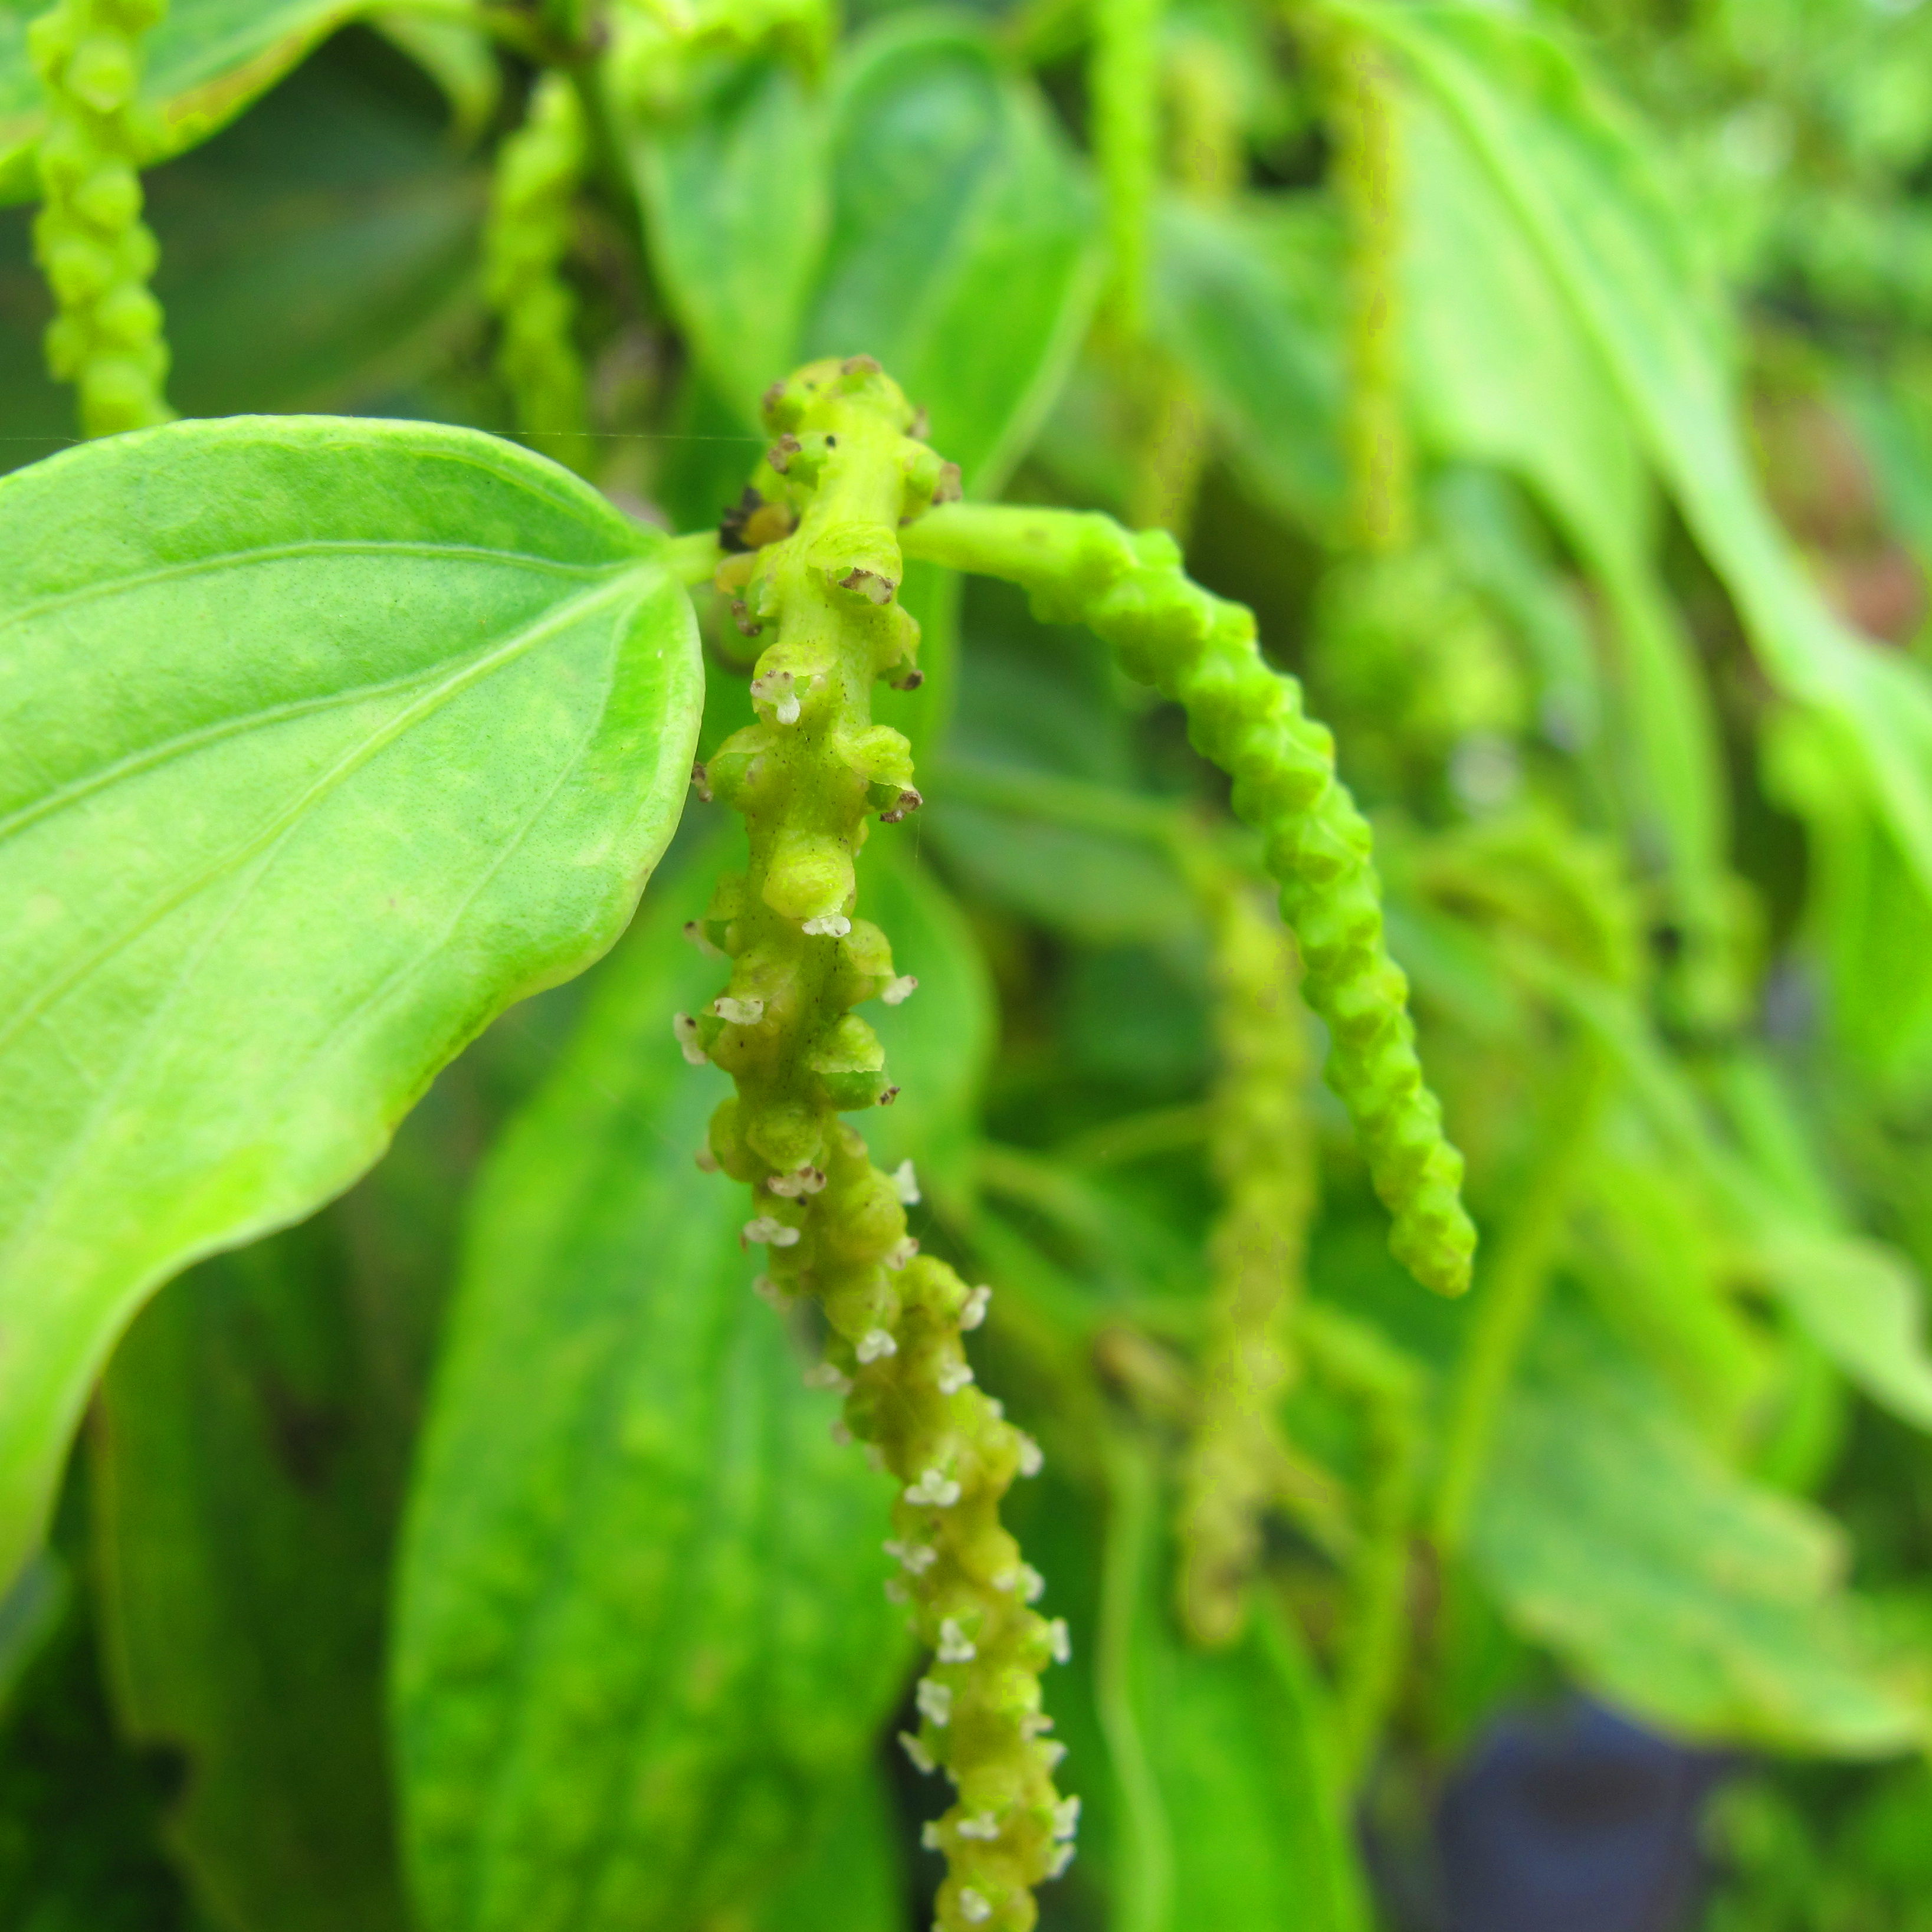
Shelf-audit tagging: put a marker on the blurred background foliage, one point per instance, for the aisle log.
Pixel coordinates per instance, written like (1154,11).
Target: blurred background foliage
(1553,380)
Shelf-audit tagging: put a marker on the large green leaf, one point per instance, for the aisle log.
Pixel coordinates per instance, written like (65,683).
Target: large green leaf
(1224,1809)
(205,62)
(737,197)
(643,1644)
(961,253)
(1503,372)
(1609,1530)
(326,740)
(246,1461)
(1582,189)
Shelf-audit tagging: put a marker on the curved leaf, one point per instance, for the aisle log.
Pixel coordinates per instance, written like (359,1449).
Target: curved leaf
(1609,1531)
(205,62)
(1585,195)
(326,740)
(643,1644)
(962,247)
(736,199)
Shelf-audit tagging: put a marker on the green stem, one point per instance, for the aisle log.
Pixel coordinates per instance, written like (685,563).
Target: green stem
(1144,1876)
(806,776)
(1124,83)
(1512,1294)
(1201,651)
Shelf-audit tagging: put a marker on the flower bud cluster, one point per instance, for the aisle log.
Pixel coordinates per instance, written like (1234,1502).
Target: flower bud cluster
(1263,1155)
(1201,651)
(537,170)
(92,244)
(823,587)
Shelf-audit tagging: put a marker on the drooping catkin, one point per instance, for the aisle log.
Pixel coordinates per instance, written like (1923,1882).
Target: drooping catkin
(89,239)
(806,776)
(1263,1155)
(1201,651)
(538,168)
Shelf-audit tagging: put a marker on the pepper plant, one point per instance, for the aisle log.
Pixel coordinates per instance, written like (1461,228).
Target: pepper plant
(1174,613)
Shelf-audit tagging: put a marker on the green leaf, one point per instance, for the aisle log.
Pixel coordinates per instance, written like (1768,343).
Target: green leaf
(853,1881)
(1503,373)
(1609,1530)
(1584,193)
(246,1459)
(1226,1813)
(205,62)
(1240,297)
(314,256)
(962,249)
(940,1043)
(737,196)
(644,1645)
(461,59)
(331,739)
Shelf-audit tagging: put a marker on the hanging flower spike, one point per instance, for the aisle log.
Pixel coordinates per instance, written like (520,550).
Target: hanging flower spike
(89,239)
(537,170)
(806,776)
(1200,650)
(1263,1155)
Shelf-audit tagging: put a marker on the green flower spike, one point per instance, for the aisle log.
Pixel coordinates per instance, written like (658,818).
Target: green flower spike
(92,244)
(1200,651)
(806,776)
(537,170)
(1264,1158)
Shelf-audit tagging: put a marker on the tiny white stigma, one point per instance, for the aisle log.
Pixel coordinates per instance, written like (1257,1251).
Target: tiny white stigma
(922,1758)
(900,1253)
(1031,1461)
(896,992)
(1062,1859)
(807,1180)
(973,1906)
(905,1184)
(769,1293)
(929,1837)
(827,926)
(896,1591)
(1033,1723)
(874,1344)
(955,1645)
(1025,1579)
(918,1558)
(693,930)
(935,1701)
(768,1228)
(1059,1643)
(974,1312)
(1066,1817)
(934,1491)
(826,1375)
(786,710)
(686,1029)
(739,1012)
(953,1376)
(1052,1753)
(985,1826)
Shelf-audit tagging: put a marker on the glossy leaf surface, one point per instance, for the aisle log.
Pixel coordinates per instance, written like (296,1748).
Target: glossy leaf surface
(325,741)
(961,252)
(643,1644)
(736,198)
